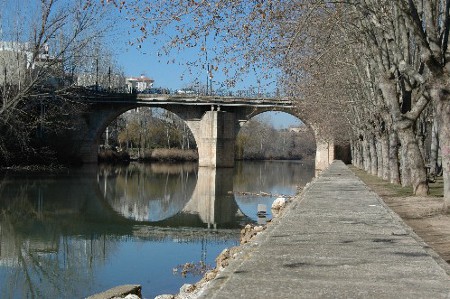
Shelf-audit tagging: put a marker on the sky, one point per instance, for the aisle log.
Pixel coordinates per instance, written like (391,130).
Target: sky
(144,58)
(172,71)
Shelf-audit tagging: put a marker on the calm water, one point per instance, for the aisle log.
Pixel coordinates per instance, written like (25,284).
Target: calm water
(81,232)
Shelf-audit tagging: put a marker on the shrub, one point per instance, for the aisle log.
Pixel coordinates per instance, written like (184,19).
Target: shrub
(172,154)
(111,156)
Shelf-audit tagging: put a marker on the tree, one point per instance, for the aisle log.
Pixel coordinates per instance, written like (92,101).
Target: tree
(40,45)
(148,128)
(373,66)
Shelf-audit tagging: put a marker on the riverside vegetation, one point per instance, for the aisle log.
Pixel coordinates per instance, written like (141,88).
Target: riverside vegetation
(149,135)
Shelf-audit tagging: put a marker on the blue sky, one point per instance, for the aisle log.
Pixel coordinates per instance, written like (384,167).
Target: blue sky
(172,71)
(168,72)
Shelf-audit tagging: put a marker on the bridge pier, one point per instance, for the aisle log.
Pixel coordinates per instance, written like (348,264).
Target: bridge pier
(212,199)
(324,155)
(215,135)
(88,151)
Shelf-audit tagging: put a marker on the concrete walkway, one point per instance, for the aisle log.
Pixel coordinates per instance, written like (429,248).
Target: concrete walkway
(338,240)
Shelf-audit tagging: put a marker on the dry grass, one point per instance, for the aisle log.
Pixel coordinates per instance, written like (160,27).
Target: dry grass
(173,154)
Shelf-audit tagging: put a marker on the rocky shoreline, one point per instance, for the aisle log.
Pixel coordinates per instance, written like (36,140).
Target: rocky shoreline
(193,291)
(248,233)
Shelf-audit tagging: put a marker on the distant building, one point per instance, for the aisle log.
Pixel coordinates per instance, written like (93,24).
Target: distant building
(298,129)
(17,59)
(102,82)
(137,84)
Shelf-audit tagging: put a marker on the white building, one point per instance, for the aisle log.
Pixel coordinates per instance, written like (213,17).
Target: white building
(16,59)
(136,84)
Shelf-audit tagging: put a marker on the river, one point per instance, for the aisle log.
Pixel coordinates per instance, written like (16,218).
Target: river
(85,230)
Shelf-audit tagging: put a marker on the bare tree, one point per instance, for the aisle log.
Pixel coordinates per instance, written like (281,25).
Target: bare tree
(373,66)
(40,43)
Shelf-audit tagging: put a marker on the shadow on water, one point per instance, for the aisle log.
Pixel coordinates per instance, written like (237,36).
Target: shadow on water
(79,232)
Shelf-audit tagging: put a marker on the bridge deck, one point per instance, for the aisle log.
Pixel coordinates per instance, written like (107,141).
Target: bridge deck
(183,99)
(337,241)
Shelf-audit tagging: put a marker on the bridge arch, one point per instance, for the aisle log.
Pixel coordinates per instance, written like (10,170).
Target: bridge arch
(214,122)
(324,143)
(97,119)
(275,135)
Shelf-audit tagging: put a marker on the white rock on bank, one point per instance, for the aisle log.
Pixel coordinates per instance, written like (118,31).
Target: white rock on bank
(279,203)
(258,229)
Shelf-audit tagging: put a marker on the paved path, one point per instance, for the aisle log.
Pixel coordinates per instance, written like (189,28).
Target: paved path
(338,240)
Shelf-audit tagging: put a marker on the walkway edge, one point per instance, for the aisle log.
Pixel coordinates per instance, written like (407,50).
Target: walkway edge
(392,257)
(439,260)
(246,250)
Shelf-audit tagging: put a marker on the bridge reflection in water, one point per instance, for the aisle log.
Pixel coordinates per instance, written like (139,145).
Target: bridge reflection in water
(75,233)
(172,195)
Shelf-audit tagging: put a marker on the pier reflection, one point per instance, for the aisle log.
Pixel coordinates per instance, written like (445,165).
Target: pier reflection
(172,195)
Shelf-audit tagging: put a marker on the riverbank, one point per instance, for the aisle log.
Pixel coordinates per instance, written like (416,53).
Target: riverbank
(24,169)
(419,210)
(423,214)
(337,239)
(378,239)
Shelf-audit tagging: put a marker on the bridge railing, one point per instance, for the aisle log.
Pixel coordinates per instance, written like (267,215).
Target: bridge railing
(225,96)
(244,93)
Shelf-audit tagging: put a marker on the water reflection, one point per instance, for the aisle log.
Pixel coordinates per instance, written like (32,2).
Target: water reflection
(183,194)
(80,232)
(148,192)
(172,195)
(262,182)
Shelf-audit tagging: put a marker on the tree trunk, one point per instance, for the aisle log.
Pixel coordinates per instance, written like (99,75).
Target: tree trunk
(434,148)
(405,172)
(420,137)
(373,156)
(394,171)
(366,155)
(354,153)
(413,157)
(358,154)
(385,157)
(379,157)
(443,115)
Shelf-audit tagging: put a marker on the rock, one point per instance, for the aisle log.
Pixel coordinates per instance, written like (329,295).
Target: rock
(119,292)
(259,228)
(222,259)
(165,296)
(210,275)
(278,205)
(187,288)
(247,233)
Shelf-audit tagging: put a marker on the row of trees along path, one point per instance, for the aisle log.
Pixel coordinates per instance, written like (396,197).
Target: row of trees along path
(375,72)
(372,72)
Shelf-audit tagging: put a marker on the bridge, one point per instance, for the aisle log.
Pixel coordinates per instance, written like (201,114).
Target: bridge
(214,121)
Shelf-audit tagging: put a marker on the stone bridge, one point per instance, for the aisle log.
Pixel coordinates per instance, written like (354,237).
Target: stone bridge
(214,122)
